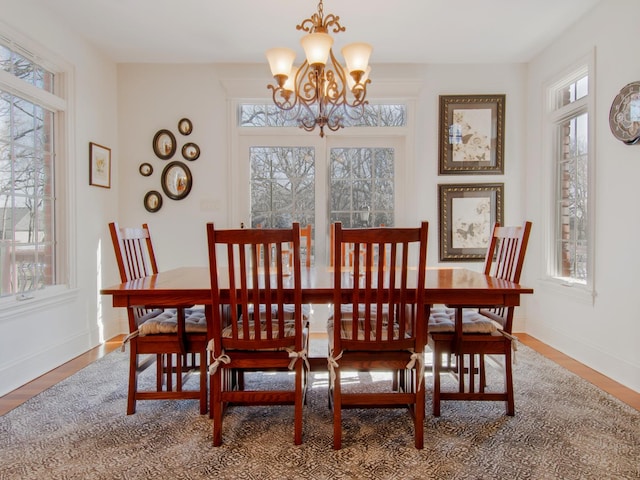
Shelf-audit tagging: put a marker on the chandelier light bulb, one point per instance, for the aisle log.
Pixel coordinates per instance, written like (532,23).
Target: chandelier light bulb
(317,47)
(356,56)
(280,62)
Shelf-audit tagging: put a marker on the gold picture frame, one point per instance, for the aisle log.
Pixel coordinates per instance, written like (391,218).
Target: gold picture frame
(99,165)
(467,214)
(471,135)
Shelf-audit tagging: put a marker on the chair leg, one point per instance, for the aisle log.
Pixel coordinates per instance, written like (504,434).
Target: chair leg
(160,369)
(472,373)
(169,372)
(437,363)
(203,381)
(508,379)
(299,401)
(460,365)
(483,374)
(216,404)
(419,409)
(133,377)
(337,413)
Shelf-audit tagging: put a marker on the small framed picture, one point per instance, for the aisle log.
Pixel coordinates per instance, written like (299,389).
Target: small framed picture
(99,165)
(471,134)
(467,215)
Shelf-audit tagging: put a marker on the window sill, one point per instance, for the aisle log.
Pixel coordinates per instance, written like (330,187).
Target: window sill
(39,300)
(575,291)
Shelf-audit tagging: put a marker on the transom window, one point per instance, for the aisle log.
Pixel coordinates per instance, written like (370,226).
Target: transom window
(268,115)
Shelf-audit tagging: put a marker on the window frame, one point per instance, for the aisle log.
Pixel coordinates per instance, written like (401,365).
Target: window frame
(554,116)
(60,102)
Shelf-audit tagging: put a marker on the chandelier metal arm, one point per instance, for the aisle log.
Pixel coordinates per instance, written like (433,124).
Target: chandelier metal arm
(321,24)
(322,94)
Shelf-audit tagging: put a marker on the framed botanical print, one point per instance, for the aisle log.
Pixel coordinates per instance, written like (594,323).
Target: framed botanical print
(467,215)
(471,134)
(99,165)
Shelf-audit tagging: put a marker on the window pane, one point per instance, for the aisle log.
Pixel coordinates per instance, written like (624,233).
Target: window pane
(573,91)
(572,174)
(25,69)
(361,189)
(282,186)
(26,196)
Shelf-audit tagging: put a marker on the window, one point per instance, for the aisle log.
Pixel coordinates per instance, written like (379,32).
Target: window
(294,175)
(572,230)
(29,112)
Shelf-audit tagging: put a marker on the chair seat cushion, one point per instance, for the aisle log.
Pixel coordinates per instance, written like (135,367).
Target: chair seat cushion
(442,320)
(166,321)
(289,330)
(346,314)
(289,310)
(347,329)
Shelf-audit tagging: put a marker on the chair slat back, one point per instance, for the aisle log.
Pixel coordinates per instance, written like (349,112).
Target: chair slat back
(348,251)
(305,241)
(265,293)
(134,253)
(505,259)
(382,297)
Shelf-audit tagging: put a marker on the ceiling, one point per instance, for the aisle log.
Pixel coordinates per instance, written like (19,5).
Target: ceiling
(239,31)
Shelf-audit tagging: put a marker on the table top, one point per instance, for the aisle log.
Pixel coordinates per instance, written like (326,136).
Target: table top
(192,285)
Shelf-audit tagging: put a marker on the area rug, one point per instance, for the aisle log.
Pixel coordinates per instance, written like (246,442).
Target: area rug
(564,428)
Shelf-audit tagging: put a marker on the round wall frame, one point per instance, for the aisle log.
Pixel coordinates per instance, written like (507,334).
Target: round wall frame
(176,180)
(153,201)
(185,127)
(145,169)
(190,151)
(164,144)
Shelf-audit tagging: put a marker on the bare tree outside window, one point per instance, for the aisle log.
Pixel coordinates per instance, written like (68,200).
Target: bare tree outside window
(571,232)
(26,182)
(361,186)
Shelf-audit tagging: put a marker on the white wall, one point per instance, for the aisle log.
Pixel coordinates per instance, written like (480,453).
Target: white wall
(603,334)
(40,334)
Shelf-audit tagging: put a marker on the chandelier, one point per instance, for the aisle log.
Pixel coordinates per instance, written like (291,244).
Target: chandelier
(321,92)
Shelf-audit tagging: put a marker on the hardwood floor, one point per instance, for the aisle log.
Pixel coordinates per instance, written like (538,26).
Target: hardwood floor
(24,393)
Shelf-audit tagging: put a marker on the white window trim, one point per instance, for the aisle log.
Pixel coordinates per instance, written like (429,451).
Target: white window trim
(62,101)
(583,293)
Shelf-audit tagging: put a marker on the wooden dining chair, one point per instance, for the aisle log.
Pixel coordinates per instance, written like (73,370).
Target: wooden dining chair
(265,330)
(474,333)
(175,338)
(378,325)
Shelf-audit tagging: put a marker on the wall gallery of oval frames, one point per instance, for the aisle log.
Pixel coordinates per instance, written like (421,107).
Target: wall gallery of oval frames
(176,179)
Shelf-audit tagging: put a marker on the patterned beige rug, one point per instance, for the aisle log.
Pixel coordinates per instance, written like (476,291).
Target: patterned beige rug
(564,428)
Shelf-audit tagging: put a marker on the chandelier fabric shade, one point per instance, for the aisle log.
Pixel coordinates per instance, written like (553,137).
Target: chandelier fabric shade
(321,92)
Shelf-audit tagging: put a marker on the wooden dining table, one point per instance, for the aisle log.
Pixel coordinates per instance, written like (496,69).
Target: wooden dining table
(188,286)
(185,286)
